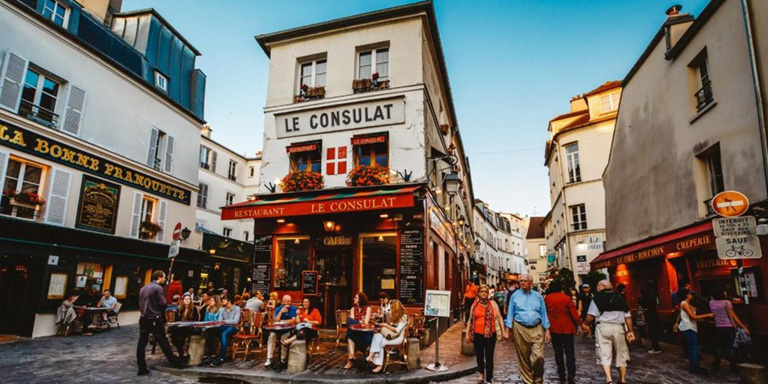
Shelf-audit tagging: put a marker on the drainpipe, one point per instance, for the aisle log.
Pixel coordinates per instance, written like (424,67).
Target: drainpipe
(757,85)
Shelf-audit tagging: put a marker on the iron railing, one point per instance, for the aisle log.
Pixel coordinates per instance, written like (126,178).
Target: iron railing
(704,96)
(37,113)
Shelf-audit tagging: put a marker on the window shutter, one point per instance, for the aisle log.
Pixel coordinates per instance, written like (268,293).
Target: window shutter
(169,145)
(152,147)
(213,160)
(56,212)
(162,210)
(3,166)
(138,198)
(12,77)
(73,115)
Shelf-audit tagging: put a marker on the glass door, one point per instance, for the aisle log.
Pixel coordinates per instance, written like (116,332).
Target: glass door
(378,267)
(334,268)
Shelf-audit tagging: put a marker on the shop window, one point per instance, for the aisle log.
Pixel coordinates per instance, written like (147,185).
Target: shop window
(379,264)
(306,161)
(22,182)
(87,276)
(291,258)
(370,154)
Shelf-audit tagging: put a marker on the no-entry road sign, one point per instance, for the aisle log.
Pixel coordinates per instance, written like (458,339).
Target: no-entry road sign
(730,203)
(177,231)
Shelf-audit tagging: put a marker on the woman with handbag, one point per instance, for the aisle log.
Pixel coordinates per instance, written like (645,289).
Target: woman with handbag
(392,333)
(484,328)
(726,323)
(360,313)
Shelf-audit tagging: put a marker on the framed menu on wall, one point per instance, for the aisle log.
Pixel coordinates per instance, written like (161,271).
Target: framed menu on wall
(121,283)
(57,286)
(310,283)
(412,266)
(97,206)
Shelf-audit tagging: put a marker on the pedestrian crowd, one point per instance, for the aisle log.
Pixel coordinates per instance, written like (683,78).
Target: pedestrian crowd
(532,319)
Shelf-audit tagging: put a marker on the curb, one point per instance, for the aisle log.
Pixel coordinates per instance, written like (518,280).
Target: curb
(421,376)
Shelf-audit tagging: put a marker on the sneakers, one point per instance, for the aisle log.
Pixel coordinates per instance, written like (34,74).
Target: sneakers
(216,362)
(654,351)
(268,363)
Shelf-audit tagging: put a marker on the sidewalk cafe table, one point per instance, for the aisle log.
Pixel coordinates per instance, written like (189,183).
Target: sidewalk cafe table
(363,329)
(93,311)
(278,329)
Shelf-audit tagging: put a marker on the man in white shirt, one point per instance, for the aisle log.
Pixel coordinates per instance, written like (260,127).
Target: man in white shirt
(614,329)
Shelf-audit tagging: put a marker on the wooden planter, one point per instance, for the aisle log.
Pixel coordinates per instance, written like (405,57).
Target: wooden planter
(17,203)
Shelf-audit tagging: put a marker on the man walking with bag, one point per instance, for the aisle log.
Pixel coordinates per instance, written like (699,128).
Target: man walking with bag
(527,317)
(152,308)
(613,331)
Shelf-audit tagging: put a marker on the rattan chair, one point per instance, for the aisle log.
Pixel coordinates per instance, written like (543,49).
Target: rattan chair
(249,331)
(113,318)
(342,316)
(389,350)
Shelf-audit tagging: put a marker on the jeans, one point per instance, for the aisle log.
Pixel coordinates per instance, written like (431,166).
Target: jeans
(225,332)
(692,342)
(563,343)
(156,328)
(725,338)
(484,349)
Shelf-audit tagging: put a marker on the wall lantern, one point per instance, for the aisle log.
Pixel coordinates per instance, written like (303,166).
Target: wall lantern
(329,226)
(185,233)
(212,251)
(461,220)
(451,182)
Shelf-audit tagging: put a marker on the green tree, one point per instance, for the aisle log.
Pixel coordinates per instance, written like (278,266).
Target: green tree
(566,275)
(594,277)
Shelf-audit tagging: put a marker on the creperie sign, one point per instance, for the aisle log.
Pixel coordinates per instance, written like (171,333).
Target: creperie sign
(686,244)
(319,207)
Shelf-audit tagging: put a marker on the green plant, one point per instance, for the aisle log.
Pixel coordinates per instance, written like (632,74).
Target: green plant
(566,275)
(594,277)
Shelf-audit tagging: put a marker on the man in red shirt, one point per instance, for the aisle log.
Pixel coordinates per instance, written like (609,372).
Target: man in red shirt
(563,320)
(174,289)
(470,292)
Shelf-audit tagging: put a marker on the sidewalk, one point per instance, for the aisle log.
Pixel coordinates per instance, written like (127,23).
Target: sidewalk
(327,367)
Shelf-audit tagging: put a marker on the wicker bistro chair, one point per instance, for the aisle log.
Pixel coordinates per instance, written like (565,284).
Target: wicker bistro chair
(113,319)
(401,348)
(342,315)
(249,332)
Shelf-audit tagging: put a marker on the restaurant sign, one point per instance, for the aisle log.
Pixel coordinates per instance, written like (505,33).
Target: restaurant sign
(97,208)
(340,118)
(23,140)
(685,244)
(372,203)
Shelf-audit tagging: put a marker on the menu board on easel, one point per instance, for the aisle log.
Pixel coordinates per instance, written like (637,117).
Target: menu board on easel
(412,266)
(310,283)
(262,264)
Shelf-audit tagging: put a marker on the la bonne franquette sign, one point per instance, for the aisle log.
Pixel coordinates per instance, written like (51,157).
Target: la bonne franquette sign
(340,118)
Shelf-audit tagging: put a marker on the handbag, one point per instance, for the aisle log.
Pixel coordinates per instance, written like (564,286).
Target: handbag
(498,325)
(388,333)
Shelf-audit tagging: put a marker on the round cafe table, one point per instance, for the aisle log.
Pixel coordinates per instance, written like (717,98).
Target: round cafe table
(362,329)
(278,329)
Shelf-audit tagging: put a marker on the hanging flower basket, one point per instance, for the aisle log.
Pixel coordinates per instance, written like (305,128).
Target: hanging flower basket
(151,228)
(364,175)
(23,198)
(302,181)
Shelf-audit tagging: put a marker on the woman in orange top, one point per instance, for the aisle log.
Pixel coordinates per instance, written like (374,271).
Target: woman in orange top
(484,315)
(310,319)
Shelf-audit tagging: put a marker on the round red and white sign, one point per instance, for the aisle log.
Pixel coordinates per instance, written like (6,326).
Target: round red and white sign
(177,231)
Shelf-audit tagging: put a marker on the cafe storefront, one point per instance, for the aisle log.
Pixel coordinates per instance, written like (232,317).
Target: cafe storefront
(689,254)
(330,244)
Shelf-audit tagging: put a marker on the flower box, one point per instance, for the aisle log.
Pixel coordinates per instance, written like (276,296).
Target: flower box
(24,199)
(364,175)
(302,181)
(365,85)
(307,93)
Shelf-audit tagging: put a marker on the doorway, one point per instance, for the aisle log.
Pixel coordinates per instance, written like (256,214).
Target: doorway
(334,268)
(15,297)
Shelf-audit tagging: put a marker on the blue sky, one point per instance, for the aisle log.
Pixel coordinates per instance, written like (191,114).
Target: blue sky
(513,65)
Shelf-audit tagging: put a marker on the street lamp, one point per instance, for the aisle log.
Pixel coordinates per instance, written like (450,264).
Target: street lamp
(185,233)
(451,182)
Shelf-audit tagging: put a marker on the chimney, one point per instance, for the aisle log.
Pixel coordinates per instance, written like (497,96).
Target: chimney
(578,103)
(676,25)
(206,131)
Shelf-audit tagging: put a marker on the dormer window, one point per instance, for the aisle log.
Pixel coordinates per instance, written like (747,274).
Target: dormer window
(161,81)
(609,102)
(56,12)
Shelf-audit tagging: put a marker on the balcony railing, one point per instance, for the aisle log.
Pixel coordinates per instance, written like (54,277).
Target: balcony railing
(39,114)
(704,96)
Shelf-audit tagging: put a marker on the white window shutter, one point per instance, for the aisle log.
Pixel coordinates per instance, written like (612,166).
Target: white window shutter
(213,161)
(152,147)
(75,107)
(138,199)
(162,211)
(12,81)
(3,165)
(169,146)
(56,211)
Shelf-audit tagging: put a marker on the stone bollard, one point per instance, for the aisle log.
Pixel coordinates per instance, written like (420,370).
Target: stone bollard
(414,354)
(297,357)
(196,349)
(467,349)
(752,374)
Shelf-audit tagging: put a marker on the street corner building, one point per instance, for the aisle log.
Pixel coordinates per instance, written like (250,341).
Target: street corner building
(690,126)
(100,119)
(365,185)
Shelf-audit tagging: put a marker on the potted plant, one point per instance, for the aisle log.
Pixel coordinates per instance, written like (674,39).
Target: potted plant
(151,228)
(302,181)
(364,175)
(24,198)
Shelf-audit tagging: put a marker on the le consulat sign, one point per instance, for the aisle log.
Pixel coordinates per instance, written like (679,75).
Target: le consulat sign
(340,118)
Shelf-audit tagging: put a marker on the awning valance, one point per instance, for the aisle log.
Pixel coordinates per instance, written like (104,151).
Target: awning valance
(697,236)
(340,201)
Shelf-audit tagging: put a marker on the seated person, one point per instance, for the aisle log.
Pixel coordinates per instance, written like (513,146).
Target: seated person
(212,311)
(256,303)
(110,302)
(230,314)
(384,308)
(186,312)
(308,319)
(272,304)
(397,326)
(203,304)
(89,299)
(285,313)
(359,314)
(66,314)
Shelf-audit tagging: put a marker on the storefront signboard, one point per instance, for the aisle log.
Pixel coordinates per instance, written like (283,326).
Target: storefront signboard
(310,283)
(340,118)
(412,266)
(682,245)
(440,224)
(582,266)
(739,247)
(372,203)
(17,138)
(437,303)
(734,226)
(98,205)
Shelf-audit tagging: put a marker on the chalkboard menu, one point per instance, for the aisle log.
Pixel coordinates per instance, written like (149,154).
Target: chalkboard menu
(412,266)
(309,283)
(97,208)
(262,263)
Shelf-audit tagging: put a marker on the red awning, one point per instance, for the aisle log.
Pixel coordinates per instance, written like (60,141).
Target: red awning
(314,203)
(697,236)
